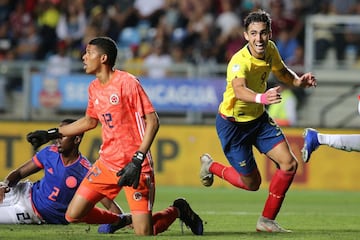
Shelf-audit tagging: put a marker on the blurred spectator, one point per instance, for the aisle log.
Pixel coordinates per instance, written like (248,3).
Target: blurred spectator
(100,18)
(123,13)
(172,15)
(229,31)
(59,63)
(323,35)
(157,64)
(296,62)
(234,43)
(149,11)
(19,18)
(91,31)
(227,19)
(6,41)
(5,9)
(48,16)
(280,21)
(71,26)
(199,17)
(199,39)
(178,59)
(135,63)
(28,43)
(340,7)
(286,44)
(6,45)
(352,35)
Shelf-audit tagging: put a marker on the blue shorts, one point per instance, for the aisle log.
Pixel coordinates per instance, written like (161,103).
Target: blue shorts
(237,140)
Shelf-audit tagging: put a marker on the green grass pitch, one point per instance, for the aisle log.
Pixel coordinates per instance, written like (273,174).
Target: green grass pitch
(229,213)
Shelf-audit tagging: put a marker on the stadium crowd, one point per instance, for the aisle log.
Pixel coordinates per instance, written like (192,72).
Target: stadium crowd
(207,31)
(154,35)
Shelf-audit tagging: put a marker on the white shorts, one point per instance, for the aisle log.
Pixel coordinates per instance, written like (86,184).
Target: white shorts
(17,208)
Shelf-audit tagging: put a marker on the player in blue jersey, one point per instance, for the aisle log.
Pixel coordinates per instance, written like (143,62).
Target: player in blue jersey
(242,122)
(47,200)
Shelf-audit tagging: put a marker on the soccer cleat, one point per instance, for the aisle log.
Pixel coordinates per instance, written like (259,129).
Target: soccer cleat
(189,217)
(125,219)
(311,143)
(206,177)
(268,225)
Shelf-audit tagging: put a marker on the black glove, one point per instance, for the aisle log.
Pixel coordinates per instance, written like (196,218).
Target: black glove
(41,137)
(130,174)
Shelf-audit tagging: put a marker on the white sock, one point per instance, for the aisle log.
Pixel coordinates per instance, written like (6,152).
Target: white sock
(346,142)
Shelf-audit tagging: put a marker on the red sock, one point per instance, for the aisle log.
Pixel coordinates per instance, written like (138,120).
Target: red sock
(279,185)
(100,216)
(227,173)
(163,219)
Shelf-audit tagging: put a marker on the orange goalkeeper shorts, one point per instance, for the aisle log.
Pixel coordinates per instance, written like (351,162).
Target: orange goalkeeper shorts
(102,181)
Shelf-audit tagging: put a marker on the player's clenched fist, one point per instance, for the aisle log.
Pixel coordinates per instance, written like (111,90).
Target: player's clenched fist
(41,137)
(130,174)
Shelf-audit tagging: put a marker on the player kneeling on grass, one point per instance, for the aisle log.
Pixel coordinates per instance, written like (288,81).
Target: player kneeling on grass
(313,139)
(46,200)
(129,124)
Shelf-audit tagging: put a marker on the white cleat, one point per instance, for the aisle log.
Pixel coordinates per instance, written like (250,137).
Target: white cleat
(268,225)
(206,177)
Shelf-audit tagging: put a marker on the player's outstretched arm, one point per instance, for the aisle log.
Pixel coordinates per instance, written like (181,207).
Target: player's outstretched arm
(290,78)
(25,170)
(40,137)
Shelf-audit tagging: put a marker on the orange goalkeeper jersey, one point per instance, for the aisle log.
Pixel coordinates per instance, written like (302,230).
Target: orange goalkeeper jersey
(120,105)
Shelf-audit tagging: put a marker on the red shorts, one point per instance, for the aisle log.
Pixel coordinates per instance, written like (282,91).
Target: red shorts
(102,181)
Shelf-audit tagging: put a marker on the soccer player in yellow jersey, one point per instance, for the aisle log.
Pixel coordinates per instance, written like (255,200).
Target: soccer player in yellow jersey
(242,121)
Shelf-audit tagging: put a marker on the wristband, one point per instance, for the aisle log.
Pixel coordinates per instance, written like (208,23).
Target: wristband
(258,98)
(261,98)
(53,133)
(139,155)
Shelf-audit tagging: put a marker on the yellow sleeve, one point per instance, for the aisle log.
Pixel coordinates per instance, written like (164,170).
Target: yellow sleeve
(277,63)
(238,67)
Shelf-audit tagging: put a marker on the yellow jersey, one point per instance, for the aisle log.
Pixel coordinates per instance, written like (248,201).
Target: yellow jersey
(256,73)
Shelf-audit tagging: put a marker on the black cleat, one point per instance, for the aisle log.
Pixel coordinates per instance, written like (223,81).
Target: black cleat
(189,217)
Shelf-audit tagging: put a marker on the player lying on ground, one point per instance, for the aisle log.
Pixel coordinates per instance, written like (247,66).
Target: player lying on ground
(313,139)
(46,200)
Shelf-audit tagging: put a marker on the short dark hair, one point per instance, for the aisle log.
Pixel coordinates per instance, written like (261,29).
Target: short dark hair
(258,16)
(108,46)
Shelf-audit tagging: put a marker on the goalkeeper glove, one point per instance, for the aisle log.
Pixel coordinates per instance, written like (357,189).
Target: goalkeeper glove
(41,137)
(130,174)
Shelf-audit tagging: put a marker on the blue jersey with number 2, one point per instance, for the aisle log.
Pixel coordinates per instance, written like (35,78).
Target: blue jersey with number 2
(52,194)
